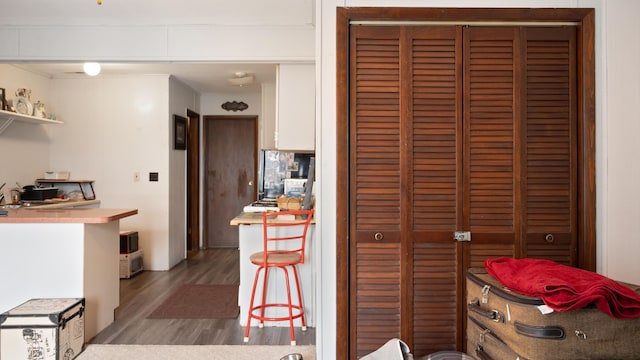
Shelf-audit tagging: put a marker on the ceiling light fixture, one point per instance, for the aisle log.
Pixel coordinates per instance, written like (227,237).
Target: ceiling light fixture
(91,68)
(99,2)
(241,79)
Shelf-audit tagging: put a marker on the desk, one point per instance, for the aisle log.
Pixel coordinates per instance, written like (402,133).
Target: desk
(63,253)
(251,241)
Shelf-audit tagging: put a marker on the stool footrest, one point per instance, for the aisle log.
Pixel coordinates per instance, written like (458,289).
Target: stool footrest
(298,312)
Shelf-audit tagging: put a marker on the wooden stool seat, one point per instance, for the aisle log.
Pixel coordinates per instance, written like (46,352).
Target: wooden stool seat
(274,258)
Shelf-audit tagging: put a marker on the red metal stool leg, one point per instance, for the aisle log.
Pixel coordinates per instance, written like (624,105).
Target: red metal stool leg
(264,297)
(295,274)
(289,305)
(250,313)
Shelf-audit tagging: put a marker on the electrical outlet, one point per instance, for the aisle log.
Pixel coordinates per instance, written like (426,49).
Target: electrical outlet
(136,176)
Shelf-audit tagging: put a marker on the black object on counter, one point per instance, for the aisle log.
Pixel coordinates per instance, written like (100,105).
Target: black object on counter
(34,193)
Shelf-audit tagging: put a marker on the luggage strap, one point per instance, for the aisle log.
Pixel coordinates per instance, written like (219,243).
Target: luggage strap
(494,315)
(540,332)
(487,333)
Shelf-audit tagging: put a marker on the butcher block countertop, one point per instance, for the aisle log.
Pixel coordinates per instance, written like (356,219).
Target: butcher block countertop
(58,203)
(250,218)
(65,215)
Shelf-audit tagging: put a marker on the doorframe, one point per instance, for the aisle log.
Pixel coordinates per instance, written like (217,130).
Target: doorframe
(193,182)
(585,19)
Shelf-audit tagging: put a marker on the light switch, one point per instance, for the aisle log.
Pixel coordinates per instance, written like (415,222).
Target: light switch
(153,176)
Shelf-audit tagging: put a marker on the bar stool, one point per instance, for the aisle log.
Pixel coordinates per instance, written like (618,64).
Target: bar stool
(284,237)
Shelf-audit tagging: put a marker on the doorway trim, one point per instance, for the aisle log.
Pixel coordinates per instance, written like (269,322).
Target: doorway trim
(193,182)
(585,22)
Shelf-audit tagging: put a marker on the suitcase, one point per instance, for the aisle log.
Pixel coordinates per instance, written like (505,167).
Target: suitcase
(483,344)
(498,318)
(43,329)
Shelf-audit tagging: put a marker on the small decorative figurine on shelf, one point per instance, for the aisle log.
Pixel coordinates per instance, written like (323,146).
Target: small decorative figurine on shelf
(23,103)
(39,111)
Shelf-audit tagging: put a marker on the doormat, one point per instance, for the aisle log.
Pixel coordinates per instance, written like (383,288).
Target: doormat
(198,301)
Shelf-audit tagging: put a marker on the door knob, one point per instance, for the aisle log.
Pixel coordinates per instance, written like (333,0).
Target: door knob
(250,182)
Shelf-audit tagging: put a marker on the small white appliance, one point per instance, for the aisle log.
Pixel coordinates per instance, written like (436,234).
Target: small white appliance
(130,264)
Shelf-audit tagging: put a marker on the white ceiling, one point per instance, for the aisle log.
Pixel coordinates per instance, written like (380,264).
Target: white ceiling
(204,78)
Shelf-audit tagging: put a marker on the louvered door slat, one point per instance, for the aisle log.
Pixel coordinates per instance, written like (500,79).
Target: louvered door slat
(435,120)
(434,295)
(490,125)
(377,293)
(550,139)
(375,172)
(377,118)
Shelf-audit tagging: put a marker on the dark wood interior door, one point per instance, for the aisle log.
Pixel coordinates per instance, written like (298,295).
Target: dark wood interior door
(454,130)
(231,151)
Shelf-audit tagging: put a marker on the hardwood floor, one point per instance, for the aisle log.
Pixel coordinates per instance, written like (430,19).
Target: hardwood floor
(140,295)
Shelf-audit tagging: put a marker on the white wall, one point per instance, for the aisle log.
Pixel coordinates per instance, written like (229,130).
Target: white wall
(181,98)
(115,126)
(619,189)
(158,30)
(24,146)
(211,103)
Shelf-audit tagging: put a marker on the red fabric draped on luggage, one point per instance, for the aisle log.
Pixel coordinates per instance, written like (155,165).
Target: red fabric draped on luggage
(565,288)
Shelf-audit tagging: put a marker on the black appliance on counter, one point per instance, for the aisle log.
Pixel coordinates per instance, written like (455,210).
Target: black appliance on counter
(276,166)
(31,192)
(128,242)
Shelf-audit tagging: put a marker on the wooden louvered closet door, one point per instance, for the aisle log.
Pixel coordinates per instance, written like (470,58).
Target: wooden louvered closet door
(376,183)
(453,129)
(549,146)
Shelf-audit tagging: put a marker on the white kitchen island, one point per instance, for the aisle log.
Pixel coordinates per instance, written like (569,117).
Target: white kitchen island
(67,253)
(251,241)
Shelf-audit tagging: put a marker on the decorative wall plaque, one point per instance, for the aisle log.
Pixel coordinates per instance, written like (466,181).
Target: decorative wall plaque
(235,106)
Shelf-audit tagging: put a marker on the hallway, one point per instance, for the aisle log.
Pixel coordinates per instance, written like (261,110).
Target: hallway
(140,295)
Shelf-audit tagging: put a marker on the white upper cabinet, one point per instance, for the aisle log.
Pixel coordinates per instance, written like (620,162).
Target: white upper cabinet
(268,118)
(295,107)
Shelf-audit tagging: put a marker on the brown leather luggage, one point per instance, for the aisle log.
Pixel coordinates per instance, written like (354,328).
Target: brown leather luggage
(502,324)
(486,345)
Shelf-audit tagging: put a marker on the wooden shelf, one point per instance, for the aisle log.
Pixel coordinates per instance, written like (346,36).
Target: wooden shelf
(61,181)
(86,186)
(8,117)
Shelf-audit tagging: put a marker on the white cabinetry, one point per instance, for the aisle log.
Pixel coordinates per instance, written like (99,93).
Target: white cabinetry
(295,107)
(268,120)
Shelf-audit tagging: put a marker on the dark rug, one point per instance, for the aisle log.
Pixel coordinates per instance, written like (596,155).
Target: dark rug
(198,301)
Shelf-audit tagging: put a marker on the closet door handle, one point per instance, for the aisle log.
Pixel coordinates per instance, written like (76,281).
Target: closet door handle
(462,236)
(378,236)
